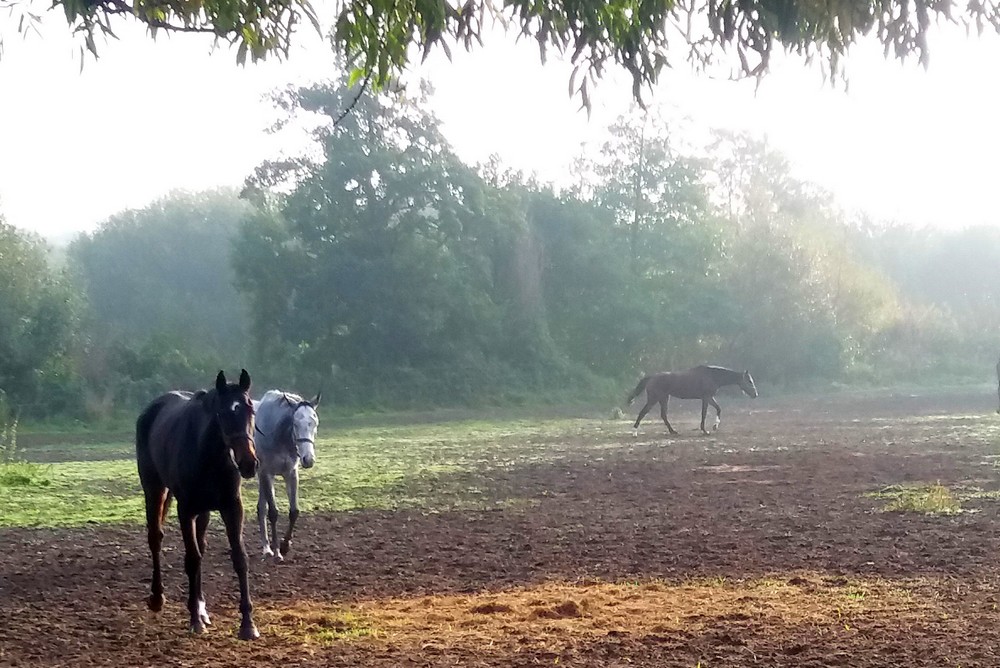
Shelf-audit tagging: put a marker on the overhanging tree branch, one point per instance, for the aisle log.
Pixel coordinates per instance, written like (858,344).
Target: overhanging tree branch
(378,35)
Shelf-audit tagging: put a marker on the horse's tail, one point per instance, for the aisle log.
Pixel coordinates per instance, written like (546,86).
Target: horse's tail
(638,390)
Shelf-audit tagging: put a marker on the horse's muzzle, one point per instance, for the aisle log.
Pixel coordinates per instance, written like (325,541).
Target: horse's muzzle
(307,462)
(248,468)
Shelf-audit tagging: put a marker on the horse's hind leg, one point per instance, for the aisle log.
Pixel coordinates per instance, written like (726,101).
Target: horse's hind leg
(718,413)
(642,414)
(200,529)
(157,499)
(270,532)
(265,502)
(233,518)
(663,414)
(292,489)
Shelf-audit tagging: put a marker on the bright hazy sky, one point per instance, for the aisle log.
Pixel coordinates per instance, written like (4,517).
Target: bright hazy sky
(902,143)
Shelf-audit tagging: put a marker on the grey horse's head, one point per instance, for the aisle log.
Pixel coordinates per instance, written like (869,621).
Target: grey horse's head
(303,424)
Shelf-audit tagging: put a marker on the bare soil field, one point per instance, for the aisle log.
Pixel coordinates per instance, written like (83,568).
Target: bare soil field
(774,542)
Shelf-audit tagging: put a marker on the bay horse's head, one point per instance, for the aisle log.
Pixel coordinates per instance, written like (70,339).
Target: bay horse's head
(304,423)
(747,385)
(234,412)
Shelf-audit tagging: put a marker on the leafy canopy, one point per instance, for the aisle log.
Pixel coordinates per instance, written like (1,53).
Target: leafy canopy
(379,37)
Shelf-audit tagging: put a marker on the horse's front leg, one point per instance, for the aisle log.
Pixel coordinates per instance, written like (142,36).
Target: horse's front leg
(272,522)
(704,412)
(292,489)
(718,413)
(192,566)
(233,519)
(200,529)
(265,504)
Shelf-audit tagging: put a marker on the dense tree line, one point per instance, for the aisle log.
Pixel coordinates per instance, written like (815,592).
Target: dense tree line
(383,268)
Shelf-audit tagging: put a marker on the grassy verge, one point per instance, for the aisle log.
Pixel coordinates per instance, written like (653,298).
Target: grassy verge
(372,467)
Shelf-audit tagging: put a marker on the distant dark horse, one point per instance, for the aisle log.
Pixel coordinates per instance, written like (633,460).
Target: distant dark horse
(195,447)
(701,382)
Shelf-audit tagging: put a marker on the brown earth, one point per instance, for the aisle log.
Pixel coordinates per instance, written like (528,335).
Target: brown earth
(755,546)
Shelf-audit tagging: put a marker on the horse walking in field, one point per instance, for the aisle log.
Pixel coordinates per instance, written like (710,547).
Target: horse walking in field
(701,382)
(287,425)
(195,447)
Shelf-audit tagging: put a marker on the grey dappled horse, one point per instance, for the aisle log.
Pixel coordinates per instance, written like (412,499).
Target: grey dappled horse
(286,425)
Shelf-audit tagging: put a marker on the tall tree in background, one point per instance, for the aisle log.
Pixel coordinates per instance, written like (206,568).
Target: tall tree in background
(38,312)
(379,260)
(805,307)
(164,270)
(659,205)
(163,308)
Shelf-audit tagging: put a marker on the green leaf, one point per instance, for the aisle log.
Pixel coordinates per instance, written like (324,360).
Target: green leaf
(357,74)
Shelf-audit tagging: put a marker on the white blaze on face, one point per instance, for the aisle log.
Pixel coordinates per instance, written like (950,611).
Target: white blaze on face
(235,405)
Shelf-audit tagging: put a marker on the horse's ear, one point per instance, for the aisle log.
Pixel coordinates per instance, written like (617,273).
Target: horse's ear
(315,402)
(220,382)
(244,380)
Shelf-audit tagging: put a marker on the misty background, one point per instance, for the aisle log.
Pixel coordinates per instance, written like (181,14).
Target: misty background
(397,268)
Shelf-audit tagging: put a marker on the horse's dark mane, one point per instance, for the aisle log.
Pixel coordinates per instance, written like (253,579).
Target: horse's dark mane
(283,430)
(722,373)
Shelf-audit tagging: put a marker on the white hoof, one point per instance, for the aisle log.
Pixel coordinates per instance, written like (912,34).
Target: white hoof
(203,614)
(635,433)
(267,552)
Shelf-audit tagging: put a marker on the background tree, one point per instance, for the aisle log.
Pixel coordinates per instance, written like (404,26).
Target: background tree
(163,309)
(381,262)
(38,315)
(804,307)
(659,201)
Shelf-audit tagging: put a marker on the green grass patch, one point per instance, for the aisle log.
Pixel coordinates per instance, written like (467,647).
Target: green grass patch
(23,474)
(74,494)
(928,499)
(856,593)
(435,467)
(319,626)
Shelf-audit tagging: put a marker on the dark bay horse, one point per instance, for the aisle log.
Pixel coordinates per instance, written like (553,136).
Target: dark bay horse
(701,382)
(196,447)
